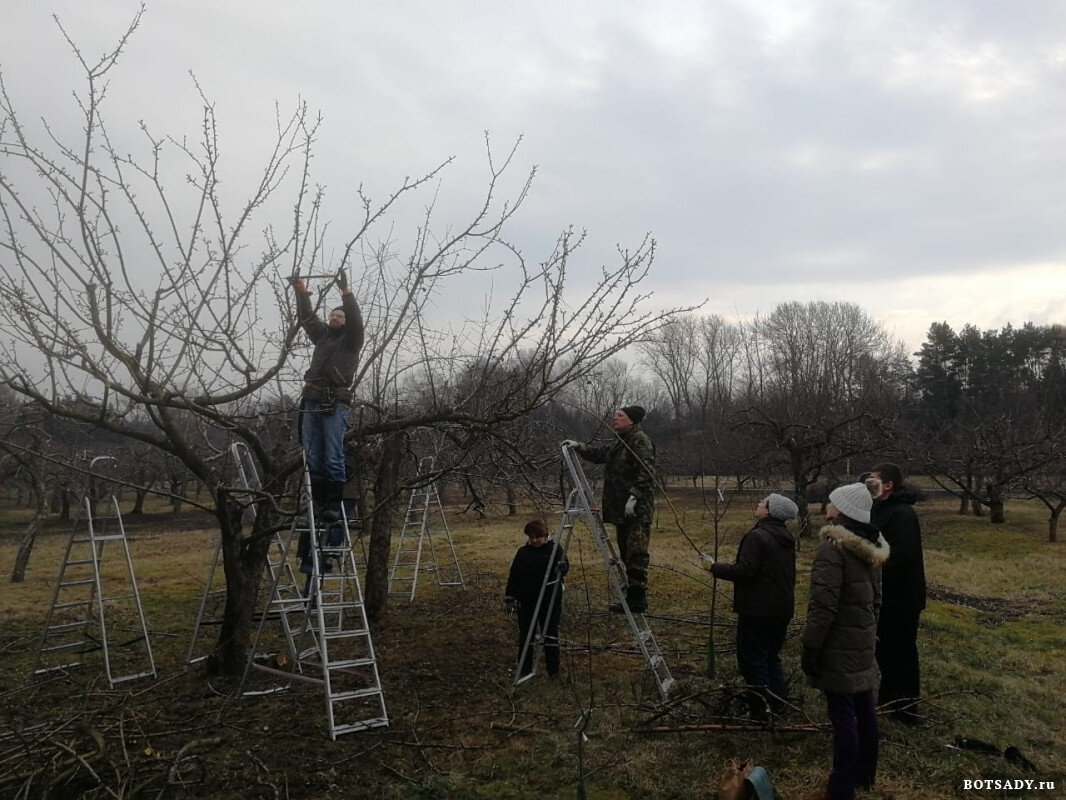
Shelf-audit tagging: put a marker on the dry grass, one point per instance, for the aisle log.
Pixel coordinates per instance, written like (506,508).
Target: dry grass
(457,730)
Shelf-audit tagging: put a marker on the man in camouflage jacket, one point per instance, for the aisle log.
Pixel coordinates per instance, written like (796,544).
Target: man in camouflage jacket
(628,496)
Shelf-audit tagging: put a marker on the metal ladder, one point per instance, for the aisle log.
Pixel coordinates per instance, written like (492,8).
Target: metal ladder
(340,653)
(281,575)
(424,505)
(579,505)
(81,599)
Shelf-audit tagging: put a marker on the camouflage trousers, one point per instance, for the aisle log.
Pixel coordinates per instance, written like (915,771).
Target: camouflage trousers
(633,536)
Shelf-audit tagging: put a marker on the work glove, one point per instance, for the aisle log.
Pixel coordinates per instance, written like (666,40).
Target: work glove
(298,284)
(570,443)
(341,280)
(631,506)
(510,606)
(809,661)
(562,568)
(706,561)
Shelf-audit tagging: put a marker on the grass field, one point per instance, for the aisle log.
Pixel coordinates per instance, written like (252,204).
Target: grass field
(992,652)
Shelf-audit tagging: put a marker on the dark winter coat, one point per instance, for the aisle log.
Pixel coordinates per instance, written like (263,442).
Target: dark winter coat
(764,573)
(527,571)
(841,628)
(336,353)
(903,576)
(629,470)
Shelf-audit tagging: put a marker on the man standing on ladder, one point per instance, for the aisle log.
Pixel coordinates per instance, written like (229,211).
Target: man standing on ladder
(327,394)
(628,497)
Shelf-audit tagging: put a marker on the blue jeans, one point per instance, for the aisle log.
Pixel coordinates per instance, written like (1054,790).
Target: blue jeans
(323,439)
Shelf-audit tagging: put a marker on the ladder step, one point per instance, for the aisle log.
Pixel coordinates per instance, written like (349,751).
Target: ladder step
(125,678)
(69,646)
(340,606)
(84,582)
(351,662)
(356,694)
(80,563)
(374,722)
(67,626)
(74,604)
(331,635)
(118,597)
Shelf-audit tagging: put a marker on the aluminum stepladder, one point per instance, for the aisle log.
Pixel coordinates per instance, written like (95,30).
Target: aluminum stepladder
(418,530)
(579,505)
(340,653)
(81,597)
(281,575)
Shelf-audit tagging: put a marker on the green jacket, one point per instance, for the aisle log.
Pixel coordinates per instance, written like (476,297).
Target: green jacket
(629,470)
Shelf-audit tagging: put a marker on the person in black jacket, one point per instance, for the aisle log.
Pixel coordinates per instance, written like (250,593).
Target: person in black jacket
(764,597)
(903,588)
(540,556)
(327,391)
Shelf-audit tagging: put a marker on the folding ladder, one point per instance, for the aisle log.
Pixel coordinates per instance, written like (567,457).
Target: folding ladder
(423,508)
(85,599)
(339,652)
(213,601)
(579,505)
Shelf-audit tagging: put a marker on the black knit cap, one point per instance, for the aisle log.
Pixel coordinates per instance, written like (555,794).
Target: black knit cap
(635,413)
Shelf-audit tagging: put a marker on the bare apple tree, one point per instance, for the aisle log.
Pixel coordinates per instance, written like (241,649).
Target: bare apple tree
(138,296)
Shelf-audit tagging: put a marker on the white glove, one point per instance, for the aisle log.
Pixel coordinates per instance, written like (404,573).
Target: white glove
(570,443)
(631,506)
(706,561)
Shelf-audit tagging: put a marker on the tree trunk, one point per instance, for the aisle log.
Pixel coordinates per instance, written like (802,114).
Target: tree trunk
(512,501)
(977,506)
(1053,522)
(996,505)
(177,491)
(964,503)
(385,497)
(64,510)
(243,561)
(138,502)
(22,557)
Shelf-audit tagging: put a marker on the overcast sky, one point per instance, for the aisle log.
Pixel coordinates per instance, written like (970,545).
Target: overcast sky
(908,156)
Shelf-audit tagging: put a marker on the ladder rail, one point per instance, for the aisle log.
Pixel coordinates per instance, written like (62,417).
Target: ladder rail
(333,615)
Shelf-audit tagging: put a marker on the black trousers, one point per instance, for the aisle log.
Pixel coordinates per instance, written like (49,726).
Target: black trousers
(897,657)
(759,640)
(548,625)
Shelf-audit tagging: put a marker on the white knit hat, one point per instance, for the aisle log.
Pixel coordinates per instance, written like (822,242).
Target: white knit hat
(853,500)
(780,507)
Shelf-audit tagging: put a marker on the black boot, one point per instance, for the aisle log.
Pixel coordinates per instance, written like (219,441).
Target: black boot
(319,490)
(334,497)
(636,599)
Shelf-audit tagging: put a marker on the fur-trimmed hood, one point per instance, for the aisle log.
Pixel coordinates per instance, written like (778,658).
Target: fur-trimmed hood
(875,554)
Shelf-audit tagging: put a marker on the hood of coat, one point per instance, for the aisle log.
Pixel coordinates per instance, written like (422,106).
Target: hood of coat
(779,531)
(875,554)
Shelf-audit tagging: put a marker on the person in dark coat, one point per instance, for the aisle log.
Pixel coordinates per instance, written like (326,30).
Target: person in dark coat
(764,598)
(327,391)
(628,497)
(839,636)
(903,592)
(540,557)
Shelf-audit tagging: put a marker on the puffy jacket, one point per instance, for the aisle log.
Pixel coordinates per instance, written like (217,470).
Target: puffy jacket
(336,353)
(629,470)
(903,576)
(845,601)
(764,573)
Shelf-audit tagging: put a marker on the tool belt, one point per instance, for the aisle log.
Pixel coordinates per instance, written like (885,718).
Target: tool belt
(326,396)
